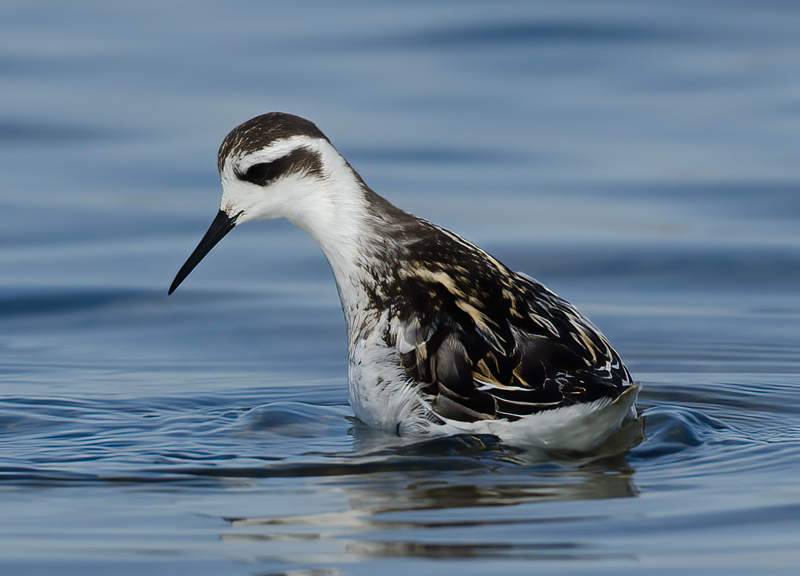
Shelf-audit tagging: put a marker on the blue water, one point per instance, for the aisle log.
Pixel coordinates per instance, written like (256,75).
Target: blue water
(642,159)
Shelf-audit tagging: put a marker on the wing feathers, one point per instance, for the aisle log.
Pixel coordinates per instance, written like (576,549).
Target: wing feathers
(493,344)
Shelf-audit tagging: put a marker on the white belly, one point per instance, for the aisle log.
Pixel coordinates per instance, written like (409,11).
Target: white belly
(380,394)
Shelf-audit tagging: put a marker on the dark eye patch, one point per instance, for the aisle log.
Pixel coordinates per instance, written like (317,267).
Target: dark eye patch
(259,173)
(299,160)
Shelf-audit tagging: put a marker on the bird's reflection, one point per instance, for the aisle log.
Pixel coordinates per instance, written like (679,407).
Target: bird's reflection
(433,487)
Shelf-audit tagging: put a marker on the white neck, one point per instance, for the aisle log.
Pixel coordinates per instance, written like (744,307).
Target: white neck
(343,221)
(335,208)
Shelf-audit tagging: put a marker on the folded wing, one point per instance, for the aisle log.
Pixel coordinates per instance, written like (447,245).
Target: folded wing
(501,346)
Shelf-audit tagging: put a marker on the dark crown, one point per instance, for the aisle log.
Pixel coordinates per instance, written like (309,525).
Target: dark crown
(262,131)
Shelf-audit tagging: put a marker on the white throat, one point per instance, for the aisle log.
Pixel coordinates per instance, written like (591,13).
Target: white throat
(333,208)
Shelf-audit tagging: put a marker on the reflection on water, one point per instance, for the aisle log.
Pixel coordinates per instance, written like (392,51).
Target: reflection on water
(402,493)
(425,499)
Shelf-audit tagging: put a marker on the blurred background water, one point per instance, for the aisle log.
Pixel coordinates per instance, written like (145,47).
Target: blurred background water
(639,158)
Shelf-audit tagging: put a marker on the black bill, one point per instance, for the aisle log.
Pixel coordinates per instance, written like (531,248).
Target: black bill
(221,225)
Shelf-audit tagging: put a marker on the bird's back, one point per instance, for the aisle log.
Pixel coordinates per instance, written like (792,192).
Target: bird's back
(485,343)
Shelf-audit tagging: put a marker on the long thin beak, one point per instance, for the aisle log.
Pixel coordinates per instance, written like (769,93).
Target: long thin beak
(221,225)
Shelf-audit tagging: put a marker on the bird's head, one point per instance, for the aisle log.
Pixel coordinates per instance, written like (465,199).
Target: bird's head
(276,165)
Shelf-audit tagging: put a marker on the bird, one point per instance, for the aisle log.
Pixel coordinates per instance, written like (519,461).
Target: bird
(443,339)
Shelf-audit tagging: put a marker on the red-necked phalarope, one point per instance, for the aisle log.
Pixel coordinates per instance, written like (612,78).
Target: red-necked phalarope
(442,337)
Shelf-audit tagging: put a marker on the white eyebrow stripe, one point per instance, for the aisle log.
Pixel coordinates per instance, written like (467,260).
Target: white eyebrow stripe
(278,149)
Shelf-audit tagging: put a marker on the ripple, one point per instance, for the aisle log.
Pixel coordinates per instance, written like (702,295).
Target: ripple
(670,430)
(694,424)
(16,303)
(492,34)
(15,132)
(295,419)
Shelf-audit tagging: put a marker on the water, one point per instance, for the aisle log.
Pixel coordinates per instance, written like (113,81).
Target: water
(639,158)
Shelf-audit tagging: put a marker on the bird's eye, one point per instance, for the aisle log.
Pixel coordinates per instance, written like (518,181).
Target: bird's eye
(259,173)
(299,161)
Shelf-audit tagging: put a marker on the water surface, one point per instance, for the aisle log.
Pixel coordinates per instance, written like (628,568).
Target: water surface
(640,159)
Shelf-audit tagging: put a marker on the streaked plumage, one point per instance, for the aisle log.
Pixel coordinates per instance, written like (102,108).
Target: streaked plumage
(443,338)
